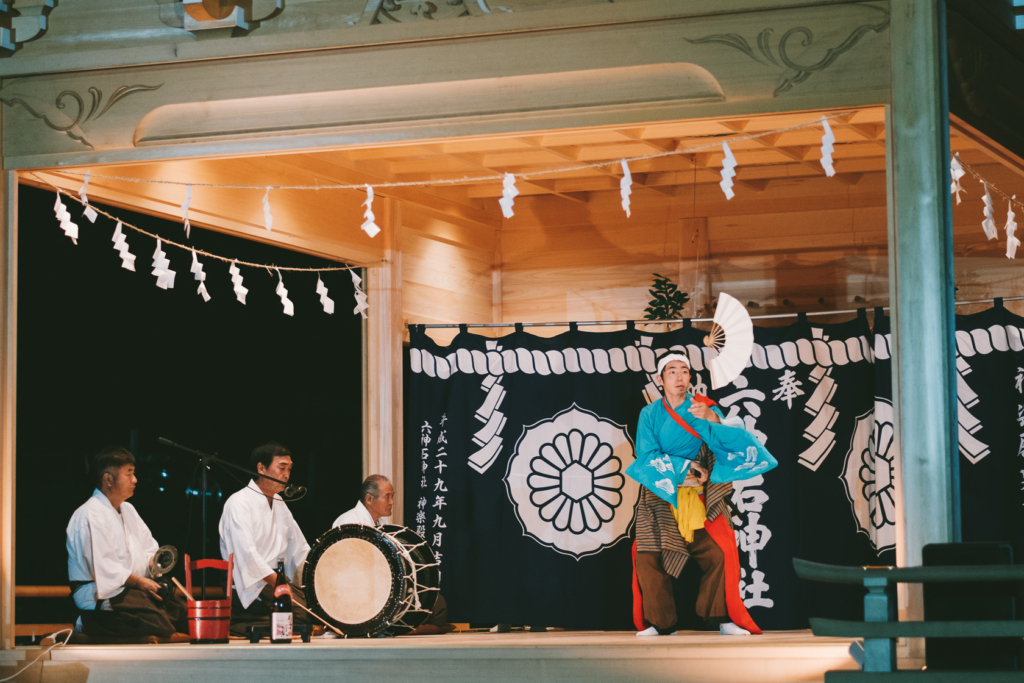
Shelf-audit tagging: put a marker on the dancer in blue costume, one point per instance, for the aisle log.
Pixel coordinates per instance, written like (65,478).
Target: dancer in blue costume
(670,437)
(681,442)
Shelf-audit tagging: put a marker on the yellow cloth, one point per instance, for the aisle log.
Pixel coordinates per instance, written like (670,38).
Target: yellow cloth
(689,511)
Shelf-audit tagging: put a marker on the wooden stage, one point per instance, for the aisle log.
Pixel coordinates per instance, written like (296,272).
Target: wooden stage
(584,656)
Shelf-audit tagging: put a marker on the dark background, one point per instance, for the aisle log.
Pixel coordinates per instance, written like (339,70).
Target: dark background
(106,357)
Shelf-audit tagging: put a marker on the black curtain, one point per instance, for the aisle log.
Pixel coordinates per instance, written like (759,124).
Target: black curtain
(504,406)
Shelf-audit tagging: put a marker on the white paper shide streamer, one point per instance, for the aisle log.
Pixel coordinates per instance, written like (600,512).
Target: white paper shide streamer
(508,195)
(368,226)
(956,172)
(197,270)
(121,245)
(989,224)
(289,307)
(268,218)
(69,227)
(361,305)
(321,289)
(184,209)
(89,212)
(236,282)
(162,268)
(827,147)
(625,188)
(1011,227)
(728,171)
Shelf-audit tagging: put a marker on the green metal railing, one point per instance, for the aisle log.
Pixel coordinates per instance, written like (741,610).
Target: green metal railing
(880,629)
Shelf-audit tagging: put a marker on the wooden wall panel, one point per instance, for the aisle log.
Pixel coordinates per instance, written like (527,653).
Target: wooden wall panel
(783,248)
(447,266)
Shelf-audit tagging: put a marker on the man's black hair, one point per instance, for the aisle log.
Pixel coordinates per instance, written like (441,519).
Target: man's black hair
(266,453)
(111,457)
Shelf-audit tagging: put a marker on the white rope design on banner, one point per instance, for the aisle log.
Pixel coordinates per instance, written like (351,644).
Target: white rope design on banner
(638,358)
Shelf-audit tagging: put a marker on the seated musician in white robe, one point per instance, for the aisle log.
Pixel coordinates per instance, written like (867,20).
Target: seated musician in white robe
(259,529)
(109,553)
(376,500)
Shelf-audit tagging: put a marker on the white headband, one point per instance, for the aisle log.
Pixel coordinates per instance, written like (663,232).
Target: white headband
(669,357)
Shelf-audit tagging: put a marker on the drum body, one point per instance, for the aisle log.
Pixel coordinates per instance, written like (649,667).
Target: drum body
(364,580)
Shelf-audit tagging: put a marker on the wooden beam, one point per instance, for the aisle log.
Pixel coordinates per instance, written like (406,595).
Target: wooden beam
(986,144)
(383,369)
(797,154)
(337,166)
(547,186)
(211,216)
(8,393)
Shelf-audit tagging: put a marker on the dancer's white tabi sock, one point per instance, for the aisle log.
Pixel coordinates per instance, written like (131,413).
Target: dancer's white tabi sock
(731,629)
(651,631)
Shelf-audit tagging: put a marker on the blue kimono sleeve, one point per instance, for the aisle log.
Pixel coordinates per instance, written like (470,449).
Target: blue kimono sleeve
(652,468)
(739,454)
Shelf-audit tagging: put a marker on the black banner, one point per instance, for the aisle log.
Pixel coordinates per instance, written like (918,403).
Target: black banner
(517,446)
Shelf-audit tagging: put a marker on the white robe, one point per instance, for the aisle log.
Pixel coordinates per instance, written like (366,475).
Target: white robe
(106,547)
(259,535)
(358,515)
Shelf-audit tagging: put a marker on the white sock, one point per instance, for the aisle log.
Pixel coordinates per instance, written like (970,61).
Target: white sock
(730,629)
(651,631)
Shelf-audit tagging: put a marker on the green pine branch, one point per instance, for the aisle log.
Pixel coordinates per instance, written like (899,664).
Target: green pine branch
(667,302)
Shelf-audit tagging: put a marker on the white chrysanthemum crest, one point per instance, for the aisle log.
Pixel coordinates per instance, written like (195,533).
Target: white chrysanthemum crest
(197,270)
(184,209)
(956,172)
(728,171)
(162,268)
(69,227)
(625,187)
(369,226)
(236,282)
(289,307)
(89,212)
(268,218)
(827,147)
(989,223)
(361,304)
(321,289)
(121,245)
(1011,227)
(508,195)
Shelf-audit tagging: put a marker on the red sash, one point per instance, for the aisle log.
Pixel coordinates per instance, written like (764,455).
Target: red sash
(697,398)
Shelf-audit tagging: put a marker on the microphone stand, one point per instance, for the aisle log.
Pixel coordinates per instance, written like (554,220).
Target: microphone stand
(206,459)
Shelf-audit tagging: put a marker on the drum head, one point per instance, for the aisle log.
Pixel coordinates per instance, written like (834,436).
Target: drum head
(354,578)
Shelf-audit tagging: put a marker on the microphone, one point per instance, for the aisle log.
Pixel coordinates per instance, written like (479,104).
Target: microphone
(291,491)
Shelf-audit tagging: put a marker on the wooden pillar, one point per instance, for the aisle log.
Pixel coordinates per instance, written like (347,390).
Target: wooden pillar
(8,339)
(921,275)
(383,367)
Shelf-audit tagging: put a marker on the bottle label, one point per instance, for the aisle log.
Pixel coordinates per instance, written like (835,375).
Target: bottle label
(283,589)
(281,626)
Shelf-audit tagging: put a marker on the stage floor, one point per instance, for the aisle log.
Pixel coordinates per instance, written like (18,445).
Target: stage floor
(560,656)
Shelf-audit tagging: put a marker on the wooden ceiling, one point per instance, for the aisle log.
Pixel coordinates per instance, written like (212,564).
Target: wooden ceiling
(787,216)
(860,148)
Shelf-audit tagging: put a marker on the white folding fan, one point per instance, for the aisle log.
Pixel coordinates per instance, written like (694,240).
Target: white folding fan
(732,335)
